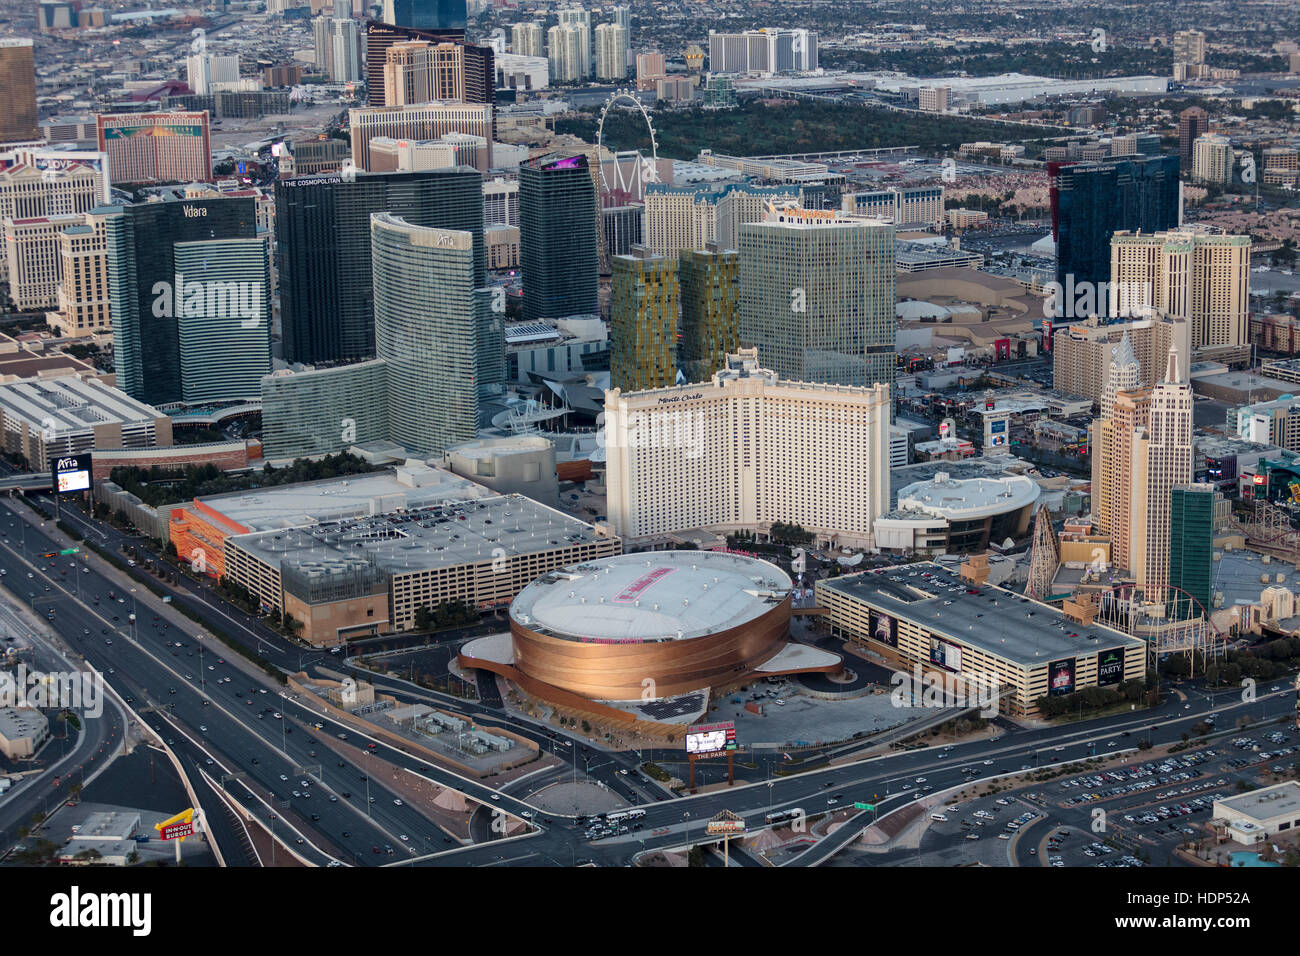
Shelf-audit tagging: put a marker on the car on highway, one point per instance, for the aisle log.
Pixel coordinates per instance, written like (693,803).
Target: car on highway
(202,729)
(397,803)
(404,838)
(284,778)
(988,763)
(496,796)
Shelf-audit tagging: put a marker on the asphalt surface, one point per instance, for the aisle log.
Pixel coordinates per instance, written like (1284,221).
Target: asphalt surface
(251,749)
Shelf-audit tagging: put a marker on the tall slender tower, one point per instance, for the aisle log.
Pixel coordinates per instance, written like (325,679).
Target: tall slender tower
(1162,459)
(1123,375)
(430,327)
(17,91)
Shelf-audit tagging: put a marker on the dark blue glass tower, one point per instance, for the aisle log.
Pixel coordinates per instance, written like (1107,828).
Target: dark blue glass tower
(1096,200)
(426,14)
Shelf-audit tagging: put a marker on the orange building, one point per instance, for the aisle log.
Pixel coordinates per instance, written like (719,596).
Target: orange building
(199,533)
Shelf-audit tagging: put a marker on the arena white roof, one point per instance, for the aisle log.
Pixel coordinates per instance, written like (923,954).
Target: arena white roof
(652,596)
(962,500)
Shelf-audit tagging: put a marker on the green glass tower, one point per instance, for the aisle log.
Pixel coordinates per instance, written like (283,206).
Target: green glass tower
(1191,541)
(710,286)
(643,321)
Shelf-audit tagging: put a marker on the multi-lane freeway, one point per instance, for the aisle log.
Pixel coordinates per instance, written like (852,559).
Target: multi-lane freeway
(217,713)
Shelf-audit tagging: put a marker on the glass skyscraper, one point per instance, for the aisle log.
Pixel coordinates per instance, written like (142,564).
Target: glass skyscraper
(434,331)
(643,300)
(426,14)
(223,318)
(1191,542)
(557,237)
(817,298)
(323,249)
(141,241)
(1096,200)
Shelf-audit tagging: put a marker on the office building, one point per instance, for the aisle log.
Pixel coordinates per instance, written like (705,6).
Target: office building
(17,91)
(1081,352)
(1193,123)
(449,15)
(951,623)
(703,457)
(1163,458)
(611,52)
(557,237)
(324,255)
(1186,272)
(817,297)
(224,338)
(1212,159)
(478,82)
(644,297)
(1093,201)
(83,297)
(763,52)
(141,242)
(1191,542)
(433,328)
(424,121)
(526,39)
(710,296)
(156,147)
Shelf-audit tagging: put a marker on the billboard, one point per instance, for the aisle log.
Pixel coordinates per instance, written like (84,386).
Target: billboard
(70,473)
(883,628)
(947,656)
(1110,667)
(1060,677)
(703,740)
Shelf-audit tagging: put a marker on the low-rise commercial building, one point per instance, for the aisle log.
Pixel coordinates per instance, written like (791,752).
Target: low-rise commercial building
(22,731)
(930,617)
(1260,814)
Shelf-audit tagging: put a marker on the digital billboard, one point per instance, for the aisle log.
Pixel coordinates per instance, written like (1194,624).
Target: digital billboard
(71,473)
(1110,667)
(703,740)
(883,628)
(1060,677)
(947,656)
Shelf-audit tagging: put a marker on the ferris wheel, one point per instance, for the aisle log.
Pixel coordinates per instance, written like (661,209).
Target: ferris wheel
(633,177)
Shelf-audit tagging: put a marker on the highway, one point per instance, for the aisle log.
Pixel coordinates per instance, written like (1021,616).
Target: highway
(247,743)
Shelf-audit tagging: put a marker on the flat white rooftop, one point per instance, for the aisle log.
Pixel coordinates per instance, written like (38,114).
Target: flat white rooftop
(969,498)
(652,596)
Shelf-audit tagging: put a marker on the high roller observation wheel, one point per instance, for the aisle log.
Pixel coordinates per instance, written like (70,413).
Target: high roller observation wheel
(615,97)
